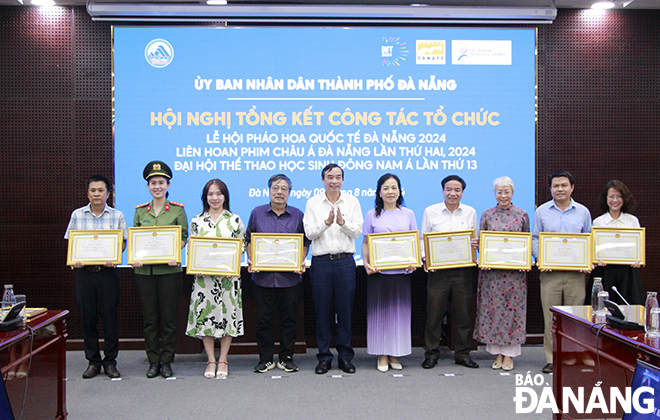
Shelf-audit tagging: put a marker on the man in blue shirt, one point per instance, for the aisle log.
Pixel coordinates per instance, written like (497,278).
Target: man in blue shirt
(97,286)
(276,289)
(561,214)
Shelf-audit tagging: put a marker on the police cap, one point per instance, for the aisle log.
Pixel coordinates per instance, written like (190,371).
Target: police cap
(156,168)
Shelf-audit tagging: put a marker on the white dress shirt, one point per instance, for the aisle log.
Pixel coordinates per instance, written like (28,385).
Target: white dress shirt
(438,218)
(333,239)
(625,220)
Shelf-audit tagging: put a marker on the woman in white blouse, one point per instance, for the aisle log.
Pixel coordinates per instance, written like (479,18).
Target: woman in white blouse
(617,202)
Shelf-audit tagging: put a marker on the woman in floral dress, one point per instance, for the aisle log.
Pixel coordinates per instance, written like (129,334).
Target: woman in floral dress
(216,304)
(502,294)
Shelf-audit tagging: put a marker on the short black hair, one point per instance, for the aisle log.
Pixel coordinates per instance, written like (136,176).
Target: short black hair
(330,167)
(453,178)
(98,178)
(560,174)
(273,179)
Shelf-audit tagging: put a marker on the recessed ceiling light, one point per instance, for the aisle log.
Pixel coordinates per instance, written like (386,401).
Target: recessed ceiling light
(43,2)
(603,5)
(216,2)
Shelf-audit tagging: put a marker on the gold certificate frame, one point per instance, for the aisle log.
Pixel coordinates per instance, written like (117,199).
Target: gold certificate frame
(95,247)
(625,246)
(276,251)
(394,250)
(214,256)
(449,249)
(505,250)
(565,251)
(154,244)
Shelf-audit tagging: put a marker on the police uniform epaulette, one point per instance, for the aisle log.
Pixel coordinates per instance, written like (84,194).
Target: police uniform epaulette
(177,204)
(142,205)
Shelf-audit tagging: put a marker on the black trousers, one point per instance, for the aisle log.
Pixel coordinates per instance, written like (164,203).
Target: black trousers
(159,298)
(457,284)
(98,294)
(285,301)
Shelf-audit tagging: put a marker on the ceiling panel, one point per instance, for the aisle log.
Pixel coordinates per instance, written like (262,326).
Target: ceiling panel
(634,4)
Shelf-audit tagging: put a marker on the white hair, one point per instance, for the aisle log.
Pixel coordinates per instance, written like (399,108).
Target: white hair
(503,181)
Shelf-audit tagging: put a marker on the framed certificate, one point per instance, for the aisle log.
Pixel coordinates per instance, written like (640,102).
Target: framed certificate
(214,256)
(449,249)
(619,246)
(392,250)
(95,247)
(154,244)
(565,251)
(506,250)
(276,251)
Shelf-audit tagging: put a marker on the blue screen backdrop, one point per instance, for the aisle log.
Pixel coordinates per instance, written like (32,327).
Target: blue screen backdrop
(242,104)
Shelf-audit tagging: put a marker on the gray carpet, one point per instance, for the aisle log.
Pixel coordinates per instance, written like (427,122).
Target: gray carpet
(476,394)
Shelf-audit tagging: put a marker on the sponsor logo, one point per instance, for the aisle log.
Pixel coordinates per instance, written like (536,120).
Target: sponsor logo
(159,53)
(393,51)
(473,52)
(430,52)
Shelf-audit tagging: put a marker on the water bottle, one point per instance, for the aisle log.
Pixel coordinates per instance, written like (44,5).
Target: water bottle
(651,303)
(653,326)
(597,305)
(8,300)
(602,297)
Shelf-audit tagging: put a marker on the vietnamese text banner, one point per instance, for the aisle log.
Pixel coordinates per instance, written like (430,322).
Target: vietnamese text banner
(243,104)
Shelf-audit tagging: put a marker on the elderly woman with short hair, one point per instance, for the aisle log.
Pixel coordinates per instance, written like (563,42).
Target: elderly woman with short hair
(502,294)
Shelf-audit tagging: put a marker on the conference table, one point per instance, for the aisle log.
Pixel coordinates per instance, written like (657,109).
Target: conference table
(46,386)
(586,351)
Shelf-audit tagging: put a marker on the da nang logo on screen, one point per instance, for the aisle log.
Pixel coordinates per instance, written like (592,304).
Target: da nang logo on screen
(159,53)
(430,52)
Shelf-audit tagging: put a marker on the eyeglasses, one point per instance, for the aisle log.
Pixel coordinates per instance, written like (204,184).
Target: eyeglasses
(275,188)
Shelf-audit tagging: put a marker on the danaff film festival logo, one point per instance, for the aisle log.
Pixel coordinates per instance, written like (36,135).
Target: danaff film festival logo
(159,53)
(530,399)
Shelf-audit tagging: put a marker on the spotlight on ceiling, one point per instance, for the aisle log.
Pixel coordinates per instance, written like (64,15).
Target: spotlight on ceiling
(603,5)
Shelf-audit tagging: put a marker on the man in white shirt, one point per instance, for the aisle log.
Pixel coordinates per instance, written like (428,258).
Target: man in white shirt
(333,221)
(450,215)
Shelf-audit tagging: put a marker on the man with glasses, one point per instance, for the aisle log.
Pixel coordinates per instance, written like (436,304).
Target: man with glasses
(276,289)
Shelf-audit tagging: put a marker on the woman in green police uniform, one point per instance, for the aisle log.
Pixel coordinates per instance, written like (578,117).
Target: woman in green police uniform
(159,285)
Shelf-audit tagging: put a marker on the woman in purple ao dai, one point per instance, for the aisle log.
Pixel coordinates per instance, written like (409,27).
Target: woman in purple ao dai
(502,294)
(388,292)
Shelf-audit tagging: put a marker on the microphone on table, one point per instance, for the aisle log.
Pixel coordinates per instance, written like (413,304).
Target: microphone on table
(624,301)
(618,319)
